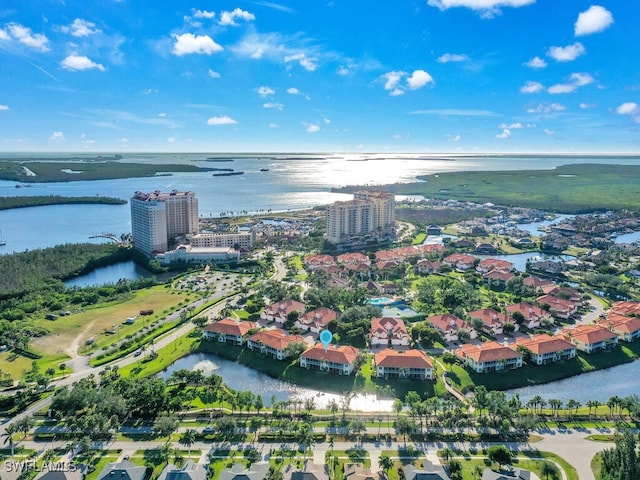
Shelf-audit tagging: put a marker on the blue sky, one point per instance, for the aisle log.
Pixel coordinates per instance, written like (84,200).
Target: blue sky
(422,76)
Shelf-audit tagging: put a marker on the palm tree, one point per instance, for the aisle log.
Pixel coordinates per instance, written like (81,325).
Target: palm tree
(386,463)
(187,439)
(8,437)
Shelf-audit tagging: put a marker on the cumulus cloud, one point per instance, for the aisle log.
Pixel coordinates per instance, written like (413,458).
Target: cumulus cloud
(506,133)
(532,87)
(203,14)
(548,132)
(188,43)
(293,91)
(24,35)
(455,112)
(221,120)
(265,91)
(511,126)
(213,74)
(547,108)
(453,57)
(229,18)
(304,61)
(537,63)
(4,107)
(274,125)
(575,81)
(454,138)
(80,62)
(487,8)
(171,139)
(627,108)
(343,70)
(81,28)
(392,79)
(568,53)
(277,106)
(593,20)
(57,136)
(326,121)
(418,79)
(312,128)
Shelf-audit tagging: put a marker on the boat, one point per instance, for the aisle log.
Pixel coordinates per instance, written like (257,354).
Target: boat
(226,174)
(264,169)
(2,242)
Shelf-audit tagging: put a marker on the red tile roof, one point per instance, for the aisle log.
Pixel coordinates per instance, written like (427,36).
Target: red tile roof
(447,321)
(317,260)
(490,316)
(276,339)
(536,282)
(543,344)
(626,308)
(529,311)
(457,258)
(320,317)
(488,264)
(408,359)
(229,326)
(589,334)
(285,306)
(355,257)
(486,352)
(621,323)
(342,354)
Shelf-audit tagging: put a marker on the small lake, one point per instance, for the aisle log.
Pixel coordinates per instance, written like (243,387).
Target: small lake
(110,274)
(622,380)
(627,238)
(520,259)
(534,227)
(240,377)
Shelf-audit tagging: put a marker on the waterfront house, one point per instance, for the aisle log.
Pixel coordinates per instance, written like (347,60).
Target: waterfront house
(429,471)
(498,278)
(546,349)
(533,315)
(189,471)
(414,364)
(488,264)
(279,311)
(336,359)
(124,470)
(591,338)
(316,320)
(257,471)
(460,261)
(627,328)
(536,283)
(449,325)
(272,343)
(425,266)
(565,293)
(488,357)
(493,321)
(228,330)
(558,307)
(434,230)
(311,471)
(388,331)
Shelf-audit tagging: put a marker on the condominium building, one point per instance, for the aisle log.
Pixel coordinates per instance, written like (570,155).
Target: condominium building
(370,216)
(158,218)
(239,240)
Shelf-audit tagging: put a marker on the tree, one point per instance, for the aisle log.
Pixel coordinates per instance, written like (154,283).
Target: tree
(187,439)
(165,426)
(357,426)
(405,426)
(499,454)
(622,461)
(386,463)
(8,437)
(549,470)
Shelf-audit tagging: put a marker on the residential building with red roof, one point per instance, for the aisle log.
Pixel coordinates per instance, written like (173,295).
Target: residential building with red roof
(534,316)
(316,320)
(627,328)
(493,320)
(388,330)
(316,261)
(449,325)
(413,364)
(565,293)
(353,258)
(228,330)
(558,307)
(626,308)
(498,278)
(488,264)
(272,343)
(536,283)
(488,357)
(427,266)
(336,359)
(591,338)
(280,310)
(460,261)
(546,349)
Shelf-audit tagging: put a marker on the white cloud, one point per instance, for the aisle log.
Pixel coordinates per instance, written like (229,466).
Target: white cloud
(162,114)
(221,120)
(188,43)
(453,57)
(487,8)
(149,91)
(455,112)
(171,139)
(537,63)
(4,108)
(454,138)
(304,61)
(326,121)
(25,36)
(506,133)
(312,128)
(548,132)
(392,79)
(265,91)
(124,140)
(57,136)
(213,74)
(229,18)
(4,35)
(532,87)
(568,53)
(342,70)
(203,14)
(274,125)
(628,108)
(586,106)
(293,91)
(418,79)
(80,62)
(575,81)
(547,108)
(277,106)
(512,126)
(593,20)
(81,28)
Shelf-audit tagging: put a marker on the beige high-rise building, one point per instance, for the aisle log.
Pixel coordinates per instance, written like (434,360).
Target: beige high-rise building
(158,218)
(370,216)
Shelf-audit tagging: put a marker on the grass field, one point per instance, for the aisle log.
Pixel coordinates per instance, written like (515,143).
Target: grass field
(578,188)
